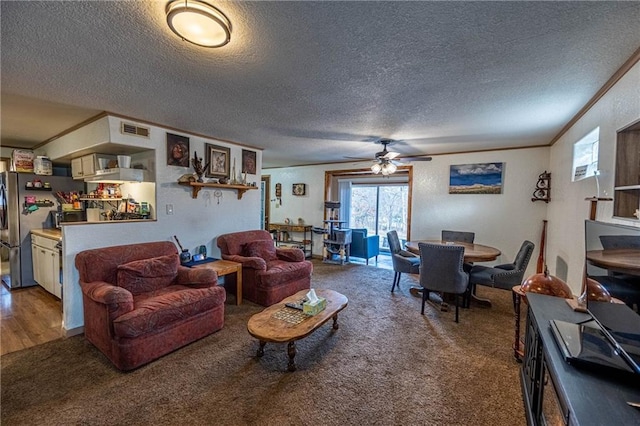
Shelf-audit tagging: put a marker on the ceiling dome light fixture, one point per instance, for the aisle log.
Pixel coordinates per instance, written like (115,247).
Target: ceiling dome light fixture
(198,23)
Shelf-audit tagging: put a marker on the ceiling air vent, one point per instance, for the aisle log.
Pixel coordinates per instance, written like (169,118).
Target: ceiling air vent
(132,129)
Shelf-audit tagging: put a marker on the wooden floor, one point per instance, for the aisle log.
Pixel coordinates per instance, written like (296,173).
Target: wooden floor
(29,317)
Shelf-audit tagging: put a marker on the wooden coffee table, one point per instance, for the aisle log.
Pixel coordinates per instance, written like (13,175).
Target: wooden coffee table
(267,328)
(224,267)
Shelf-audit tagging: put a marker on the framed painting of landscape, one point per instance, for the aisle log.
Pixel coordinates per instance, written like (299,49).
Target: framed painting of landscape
(479,178)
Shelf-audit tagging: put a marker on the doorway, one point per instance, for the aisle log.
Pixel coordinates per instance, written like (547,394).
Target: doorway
(380,208)
(265,184)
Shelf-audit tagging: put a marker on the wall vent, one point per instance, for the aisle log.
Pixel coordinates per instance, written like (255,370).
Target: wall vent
(132,129)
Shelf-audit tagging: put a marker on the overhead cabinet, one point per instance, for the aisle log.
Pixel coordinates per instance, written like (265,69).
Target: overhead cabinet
(82,167)
(89,165)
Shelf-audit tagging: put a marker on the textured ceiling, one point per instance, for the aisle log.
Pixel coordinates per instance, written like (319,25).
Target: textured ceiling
(313,82)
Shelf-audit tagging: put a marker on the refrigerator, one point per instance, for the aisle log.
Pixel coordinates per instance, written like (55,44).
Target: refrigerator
(18,218)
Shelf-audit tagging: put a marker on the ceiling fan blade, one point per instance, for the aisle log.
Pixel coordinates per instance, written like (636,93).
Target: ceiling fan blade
(416,158)
(357,158)
(390,155)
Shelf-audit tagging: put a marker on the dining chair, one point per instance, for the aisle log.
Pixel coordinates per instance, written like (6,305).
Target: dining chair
(441,271)
(403,261)
(461,236)
(503,276)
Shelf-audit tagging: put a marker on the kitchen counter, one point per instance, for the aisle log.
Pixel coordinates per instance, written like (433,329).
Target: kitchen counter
(51,233)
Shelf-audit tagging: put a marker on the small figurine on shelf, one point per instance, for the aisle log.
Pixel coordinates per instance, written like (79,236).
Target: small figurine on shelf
(197,166)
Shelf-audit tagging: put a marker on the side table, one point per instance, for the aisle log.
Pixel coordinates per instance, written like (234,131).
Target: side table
(518,345)
(225,267)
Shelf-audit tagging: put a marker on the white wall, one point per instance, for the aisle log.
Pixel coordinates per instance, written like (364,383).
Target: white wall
(502,220)
(614,111)
(194,221)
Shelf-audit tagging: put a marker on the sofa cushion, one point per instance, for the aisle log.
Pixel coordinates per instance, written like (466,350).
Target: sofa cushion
(280,272)
(146,275)
(159,309)
(261,248)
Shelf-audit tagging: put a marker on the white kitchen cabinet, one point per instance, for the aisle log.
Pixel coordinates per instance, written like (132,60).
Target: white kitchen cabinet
(46,264)
(76,168)
(84,166)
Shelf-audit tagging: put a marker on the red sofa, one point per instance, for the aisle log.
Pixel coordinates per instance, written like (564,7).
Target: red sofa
(269,273)
(140,303)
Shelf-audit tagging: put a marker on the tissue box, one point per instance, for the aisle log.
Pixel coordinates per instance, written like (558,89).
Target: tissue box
(315,308)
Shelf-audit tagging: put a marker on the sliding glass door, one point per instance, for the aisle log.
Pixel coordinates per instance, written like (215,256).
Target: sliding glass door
(380,208)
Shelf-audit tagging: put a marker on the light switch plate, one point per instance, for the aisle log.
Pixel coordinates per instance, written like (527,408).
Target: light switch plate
(169,209)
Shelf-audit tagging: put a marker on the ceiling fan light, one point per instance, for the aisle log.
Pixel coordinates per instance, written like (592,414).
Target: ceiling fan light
(198,23)
(375,168)
(392,167)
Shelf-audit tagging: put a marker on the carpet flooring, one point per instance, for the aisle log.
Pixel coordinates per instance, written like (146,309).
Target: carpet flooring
(385,365)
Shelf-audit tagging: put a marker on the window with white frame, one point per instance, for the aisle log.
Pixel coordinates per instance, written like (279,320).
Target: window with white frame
(585,156)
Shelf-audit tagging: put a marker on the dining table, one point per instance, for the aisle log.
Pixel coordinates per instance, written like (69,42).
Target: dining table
(626,261)
(472,253)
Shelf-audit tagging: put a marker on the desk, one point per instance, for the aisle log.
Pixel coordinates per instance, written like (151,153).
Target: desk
(551,385)
(626,261)
(472,252)
(224,267)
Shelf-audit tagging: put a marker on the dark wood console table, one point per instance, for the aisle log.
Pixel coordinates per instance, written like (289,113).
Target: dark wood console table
(556,392)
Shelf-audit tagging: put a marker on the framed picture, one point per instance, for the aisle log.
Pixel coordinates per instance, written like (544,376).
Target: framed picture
(299,188)
(177,150)
(248,162)
(479,178)
(218,159)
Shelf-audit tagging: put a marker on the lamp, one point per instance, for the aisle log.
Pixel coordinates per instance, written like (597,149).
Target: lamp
(198,23)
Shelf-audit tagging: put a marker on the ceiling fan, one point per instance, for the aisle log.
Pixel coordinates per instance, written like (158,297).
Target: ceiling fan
(384,160)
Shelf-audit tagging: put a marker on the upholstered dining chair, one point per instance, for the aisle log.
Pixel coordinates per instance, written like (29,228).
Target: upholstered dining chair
(403,261)
(503,276)
(441,270)
(461,236)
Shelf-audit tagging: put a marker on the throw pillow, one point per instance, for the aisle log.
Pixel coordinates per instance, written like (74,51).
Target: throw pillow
(142,276)
(261,248)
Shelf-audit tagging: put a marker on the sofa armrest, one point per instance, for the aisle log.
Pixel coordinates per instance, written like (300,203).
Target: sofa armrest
(116,299)
(290,254)
(196,277)
(247,262)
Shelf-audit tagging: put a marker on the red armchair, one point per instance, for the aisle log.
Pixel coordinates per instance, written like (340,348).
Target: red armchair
(269,273)
(140,303)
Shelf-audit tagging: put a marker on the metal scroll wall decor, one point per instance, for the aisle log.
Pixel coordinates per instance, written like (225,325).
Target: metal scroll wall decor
(543,188)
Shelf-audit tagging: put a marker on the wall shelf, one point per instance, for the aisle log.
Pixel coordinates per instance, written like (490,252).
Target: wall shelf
(594,205)
(33,188)
(197,186)
(626,189)
(45,203)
